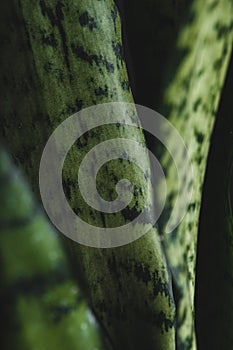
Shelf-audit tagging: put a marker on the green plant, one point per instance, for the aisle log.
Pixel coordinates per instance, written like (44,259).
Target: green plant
(58,58)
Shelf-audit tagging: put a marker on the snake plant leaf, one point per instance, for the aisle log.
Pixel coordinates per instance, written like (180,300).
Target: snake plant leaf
(191,98)
(58,58)
(214,260)
(41,306)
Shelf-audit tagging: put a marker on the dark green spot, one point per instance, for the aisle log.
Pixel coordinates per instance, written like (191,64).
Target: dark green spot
(87,21)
